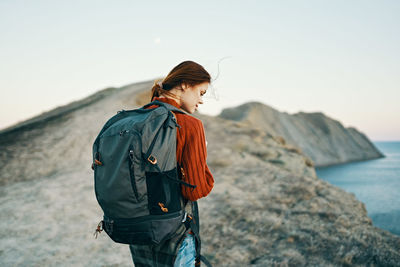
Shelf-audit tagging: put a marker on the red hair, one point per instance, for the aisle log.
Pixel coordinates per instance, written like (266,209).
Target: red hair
(188,72)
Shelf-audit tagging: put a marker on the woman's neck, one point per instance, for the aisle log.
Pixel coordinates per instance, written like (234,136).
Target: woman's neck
(174,95)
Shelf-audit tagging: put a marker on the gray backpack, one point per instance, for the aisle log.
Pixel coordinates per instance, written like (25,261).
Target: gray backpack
(136,177)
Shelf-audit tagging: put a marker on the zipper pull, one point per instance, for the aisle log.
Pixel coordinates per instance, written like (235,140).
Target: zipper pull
(163,208)
(123,132)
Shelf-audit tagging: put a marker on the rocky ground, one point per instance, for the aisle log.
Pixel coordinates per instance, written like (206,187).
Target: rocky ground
(267,208)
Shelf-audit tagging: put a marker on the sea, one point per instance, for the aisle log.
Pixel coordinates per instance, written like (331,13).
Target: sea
(374,182)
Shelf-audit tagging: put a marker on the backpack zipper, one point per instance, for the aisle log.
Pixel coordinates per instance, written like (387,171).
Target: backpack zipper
(131,173)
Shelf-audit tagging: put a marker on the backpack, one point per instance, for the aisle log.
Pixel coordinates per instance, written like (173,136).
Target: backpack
(136,177)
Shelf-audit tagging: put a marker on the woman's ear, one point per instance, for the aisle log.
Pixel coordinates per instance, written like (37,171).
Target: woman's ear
(184,86)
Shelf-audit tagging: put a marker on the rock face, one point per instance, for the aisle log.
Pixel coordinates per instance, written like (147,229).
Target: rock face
(321,138)
(267,208)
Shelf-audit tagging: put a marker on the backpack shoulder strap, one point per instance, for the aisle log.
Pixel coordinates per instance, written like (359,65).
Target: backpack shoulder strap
(194,225)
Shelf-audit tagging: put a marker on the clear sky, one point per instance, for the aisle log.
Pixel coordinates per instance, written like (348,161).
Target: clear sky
(341,58)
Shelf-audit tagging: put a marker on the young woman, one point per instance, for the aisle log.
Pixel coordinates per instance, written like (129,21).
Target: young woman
(183,88)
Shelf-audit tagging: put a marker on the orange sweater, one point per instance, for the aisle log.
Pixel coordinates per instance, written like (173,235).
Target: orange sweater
(191,154)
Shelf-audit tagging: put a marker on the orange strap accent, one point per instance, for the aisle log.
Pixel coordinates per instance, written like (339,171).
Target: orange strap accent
(164,209)
(152,159)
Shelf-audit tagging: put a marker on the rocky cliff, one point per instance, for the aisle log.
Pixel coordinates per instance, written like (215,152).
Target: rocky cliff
(319,137)
(267,208)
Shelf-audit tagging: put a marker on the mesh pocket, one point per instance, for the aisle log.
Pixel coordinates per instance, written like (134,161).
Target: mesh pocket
(163,192)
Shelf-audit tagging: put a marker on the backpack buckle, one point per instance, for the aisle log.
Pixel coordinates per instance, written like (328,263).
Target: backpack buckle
(184,217)
(152,159)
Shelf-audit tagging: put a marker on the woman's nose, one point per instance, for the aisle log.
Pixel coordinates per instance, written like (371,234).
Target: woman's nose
(201,100)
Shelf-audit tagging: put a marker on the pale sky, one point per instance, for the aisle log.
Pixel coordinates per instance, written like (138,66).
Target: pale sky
(341,58)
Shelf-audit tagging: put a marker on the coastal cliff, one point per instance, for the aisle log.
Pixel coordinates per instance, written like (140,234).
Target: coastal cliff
(326,141)
(267,207)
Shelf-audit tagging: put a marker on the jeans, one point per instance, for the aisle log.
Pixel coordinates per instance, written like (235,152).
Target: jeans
(187,252)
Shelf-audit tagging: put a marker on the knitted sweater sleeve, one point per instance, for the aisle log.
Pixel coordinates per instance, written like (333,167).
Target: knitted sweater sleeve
(195,169)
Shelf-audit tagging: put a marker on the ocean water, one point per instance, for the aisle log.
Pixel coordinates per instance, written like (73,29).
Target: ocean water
(374,182)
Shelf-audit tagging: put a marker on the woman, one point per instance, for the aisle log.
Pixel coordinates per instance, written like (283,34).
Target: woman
(183,88)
